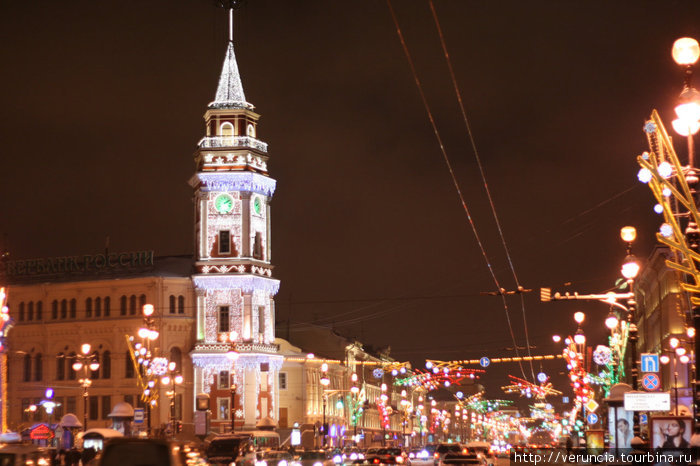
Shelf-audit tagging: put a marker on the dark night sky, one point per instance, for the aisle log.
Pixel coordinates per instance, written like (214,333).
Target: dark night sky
(102,107)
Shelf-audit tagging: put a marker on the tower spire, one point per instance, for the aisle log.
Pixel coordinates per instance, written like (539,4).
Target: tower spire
(229,93)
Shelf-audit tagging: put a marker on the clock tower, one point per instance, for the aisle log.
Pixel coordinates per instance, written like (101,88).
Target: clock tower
(233,281)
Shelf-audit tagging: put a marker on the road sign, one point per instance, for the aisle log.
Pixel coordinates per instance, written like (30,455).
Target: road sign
(651,382)
(484,361)
(542,377)
(641,401)
(650,362)
(643,419)
(591,405)
(592,418)
(138,416)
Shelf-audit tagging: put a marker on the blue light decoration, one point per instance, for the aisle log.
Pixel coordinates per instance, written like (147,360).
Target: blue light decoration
(378,373)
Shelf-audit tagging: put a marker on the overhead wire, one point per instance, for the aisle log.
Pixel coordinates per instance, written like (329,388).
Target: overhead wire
(455,182)
(483,178)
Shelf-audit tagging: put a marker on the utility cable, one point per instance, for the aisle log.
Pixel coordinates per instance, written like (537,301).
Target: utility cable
(483,177)
(453,177)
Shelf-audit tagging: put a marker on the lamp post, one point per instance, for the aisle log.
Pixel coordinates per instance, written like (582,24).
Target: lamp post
(172,378)
(325,382)
(679,353)
(85,362)
(384,399)
(355,390)
(147,333)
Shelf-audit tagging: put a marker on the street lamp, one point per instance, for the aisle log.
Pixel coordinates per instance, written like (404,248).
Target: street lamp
(325,382)
(148,334)
(232,355)
(85,362)
(172,378)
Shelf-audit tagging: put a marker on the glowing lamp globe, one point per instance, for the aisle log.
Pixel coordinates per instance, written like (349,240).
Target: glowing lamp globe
(171,366)
(556,338)
(325,381)
(630,268)
(85,348)
(579,317)
(165,380)
(324,367)
(690,332)
(628,234)
(685,359)
(580,338)
(94,365)
(685,127)
(611,321)
(685,51)
(353,377)
(143,332)
(673,342)
(680,351)
(77,366)
(178,379)
(664,359)
(148,310)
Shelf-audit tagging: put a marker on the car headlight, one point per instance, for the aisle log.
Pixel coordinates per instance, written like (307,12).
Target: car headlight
(337,459)
(360,456)
(399,459)
(282,463)
(353,456)
(423,454)
(318,463)
(261,463)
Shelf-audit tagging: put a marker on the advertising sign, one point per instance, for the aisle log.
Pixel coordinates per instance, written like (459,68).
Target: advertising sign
(652,401)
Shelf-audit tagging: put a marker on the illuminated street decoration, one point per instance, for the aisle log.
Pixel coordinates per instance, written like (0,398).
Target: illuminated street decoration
(438,377)
(579,378)
(529,389)
(668,181)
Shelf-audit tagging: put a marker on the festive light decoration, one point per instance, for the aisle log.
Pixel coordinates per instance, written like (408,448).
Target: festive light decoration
(602,355)
(439,376)
(239,181)
(229,93)
(6,324)
(378,373)
(529,389)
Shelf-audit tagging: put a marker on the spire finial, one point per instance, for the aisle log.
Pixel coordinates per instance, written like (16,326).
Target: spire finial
(230,5)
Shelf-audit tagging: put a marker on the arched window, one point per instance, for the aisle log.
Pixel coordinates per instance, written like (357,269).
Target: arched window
(30,310)
(122,306)
(70,360)
(38,368)
(106,365)
(73,308)
(226,129)
(108,303)
(132,304)
(54,309)
(39,310)
(142,302)
(95,374)
(64,309)
(88,308)
(176,357)
(172,304)
(21,311)
(61,366)
(98,307)
(250,130)
(129,367)
(180,304)
(27,376)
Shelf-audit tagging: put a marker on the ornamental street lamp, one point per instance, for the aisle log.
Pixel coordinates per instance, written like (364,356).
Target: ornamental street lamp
(86,362)
(148,334)
(325,382)
(172,378)
(679,353)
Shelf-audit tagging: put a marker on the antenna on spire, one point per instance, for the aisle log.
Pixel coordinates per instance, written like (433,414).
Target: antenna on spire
(230,5)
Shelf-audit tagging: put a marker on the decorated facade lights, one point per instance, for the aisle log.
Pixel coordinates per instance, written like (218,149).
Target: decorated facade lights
(232,355)
(6,324)
(171,379)
(578,377)
(86,362)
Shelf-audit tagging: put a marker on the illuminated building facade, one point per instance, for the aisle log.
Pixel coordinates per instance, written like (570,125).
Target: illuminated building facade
(233,280)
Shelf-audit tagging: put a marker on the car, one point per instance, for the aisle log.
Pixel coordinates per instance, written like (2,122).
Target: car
(12,454)
(313,458)
(461,458)
(420,454)
(351,454)
(388,455)
(138,451)
(443,448)
(230,448)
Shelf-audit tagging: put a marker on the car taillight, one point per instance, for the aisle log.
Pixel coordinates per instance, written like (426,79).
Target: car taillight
(436,455)
(465,451)
(376,461)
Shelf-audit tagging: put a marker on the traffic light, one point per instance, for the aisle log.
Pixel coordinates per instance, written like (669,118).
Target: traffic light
(178,427)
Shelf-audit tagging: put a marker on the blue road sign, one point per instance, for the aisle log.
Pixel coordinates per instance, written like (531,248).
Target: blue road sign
(651,382)
(592,418)
(650,362)
(484,361)
(138,416)
(643,418)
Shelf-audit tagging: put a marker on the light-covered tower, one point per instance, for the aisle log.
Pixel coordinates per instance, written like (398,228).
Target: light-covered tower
(233,277)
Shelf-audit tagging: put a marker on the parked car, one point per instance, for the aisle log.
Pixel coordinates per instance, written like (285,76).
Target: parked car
(276,458)
(443,448)
(16,454)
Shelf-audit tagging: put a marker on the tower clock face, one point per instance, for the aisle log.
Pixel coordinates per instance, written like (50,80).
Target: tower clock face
(257,205)
(223,203)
